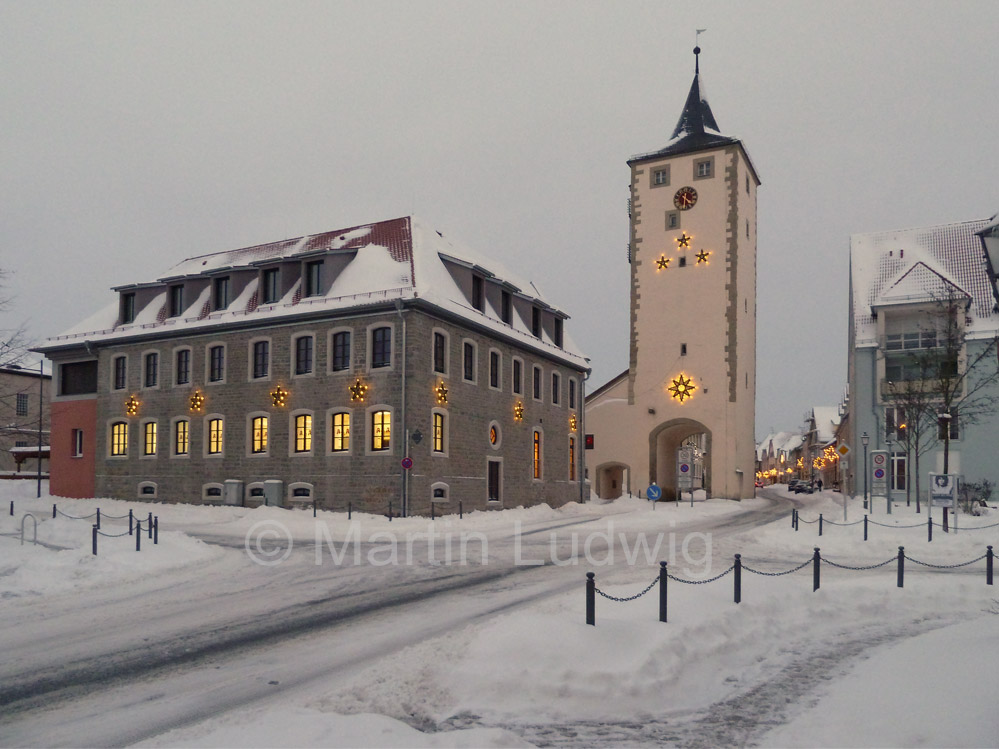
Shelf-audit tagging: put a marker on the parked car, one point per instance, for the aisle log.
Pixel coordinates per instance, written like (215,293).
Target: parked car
(804,487)
(791,484)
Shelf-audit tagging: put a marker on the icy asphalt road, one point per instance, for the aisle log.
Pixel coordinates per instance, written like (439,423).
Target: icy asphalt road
(113,667)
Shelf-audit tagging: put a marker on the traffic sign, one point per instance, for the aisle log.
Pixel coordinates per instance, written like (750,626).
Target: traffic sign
(843,450)
(407,463)
(654,493)
(879,458)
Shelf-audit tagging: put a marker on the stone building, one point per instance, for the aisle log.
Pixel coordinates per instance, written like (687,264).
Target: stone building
(315,368)
(21,419)
(691,379)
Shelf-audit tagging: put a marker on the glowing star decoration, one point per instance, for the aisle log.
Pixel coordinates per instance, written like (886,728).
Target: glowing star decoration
(572,423)
(662,263)
(441,391)
(358,390)
(279,396)
(683,241)
(702,257)
(518,411)
(132,406)
(197,401)
(682,388)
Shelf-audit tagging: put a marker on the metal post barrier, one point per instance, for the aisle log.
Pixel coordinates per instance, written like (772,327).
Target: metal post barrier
(53,508)
(130,522)
(138,536)
(98,518)
(350,509)
(988,566)
(662,590)
(901,565)
(929,529)
(433,511)
(865,527)
(156,529)
(461,510)
(12,508)
(313,507)
(95,540)
(946,528)
(793,511)
(390,510)
(150,524)
(820,523)
(738,578)
(815,570)
(591,599)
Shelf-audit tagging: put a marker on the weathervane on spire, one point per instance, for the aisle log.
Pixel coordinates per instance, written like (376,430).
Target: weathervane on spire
(697,49)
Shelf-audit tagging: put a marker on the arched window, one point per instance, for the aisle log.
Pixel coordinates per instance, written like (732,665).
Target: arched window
(119,438)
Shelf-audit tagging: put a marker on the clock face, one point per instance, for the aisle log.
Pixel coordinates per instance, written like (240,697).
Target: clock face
(685,198)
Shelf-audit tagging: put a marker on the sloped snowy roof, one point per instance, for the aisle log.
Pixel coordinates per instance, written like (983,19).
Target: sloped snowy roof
(950,255)
(401,258)
(826,420)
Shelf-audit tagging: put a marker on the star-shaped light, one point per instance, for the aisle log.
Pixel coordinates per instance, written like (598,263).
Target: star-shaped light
(358,390)
(197,401)
(279,396)
(663,263)
(441,391)
(702,257)
(132,405)
(682,388)
(572,422)
(518,411)
(683,240)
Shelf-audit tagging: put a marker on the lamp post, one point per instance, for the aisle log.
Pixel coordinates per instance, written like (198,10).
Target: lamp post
(891,475)
(865,439)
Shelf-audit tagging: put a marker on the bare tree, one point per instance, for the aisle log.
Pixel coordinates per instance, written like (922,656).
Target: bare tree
(13,341)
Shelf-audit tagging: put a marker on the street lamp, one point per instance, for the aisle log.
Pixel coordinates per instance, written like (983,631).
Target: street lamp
(891,475)
(865,439)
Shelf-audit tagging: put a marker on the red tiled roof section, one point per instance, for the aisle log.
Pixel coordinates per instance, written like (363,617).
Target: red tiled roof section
(395,234)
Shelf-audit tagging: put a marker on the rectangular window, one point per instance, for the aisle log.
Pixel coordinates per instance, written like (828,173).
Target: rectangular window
(558,331)
(440,352)
(942,427)
(438,432)
(672,219)
(127,308)
(120,372)
(660,177)
(221,287)
(303,355)
(314,278)
(259,435)
(216,364)
(477,293)
(494,369)
(381,347)
(22,404)
(176,300)
(303,433)
(537,383)
(77,444)
(572,393)
(537,454)
(518,377)
(181,437)
(469,361)
(78,378)
(261,359)
(556,388)
(152,370)
(704,168)
(119,438)
(572,459)
(182,371)
(341,432)
(215,435)
(149,438)
(381,430)
(536,321)
(341,351)
(494,484)
(506,308)
(272,288)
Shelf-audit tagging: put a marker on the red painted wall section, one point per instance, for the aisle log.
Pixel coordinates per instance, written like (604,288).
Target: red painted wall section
(71,476)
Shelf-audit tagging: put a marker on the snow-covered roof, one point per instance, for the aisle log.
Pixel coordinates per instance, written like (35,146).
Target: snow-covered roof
(826,419)
(400,259)
(913,265)
(786,441)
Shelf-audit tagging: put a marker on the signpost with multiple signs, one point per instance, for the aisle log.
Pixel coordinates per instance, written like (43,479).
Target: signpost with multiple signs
(879,473)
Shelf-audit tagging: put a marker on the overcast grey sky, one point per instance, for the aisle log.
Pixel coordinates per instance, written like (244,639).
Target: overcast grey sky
(138,134)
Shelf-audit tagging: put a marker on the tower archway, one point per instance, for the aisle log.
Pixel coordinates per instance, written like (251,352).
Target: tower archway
(666,440)
(613,479)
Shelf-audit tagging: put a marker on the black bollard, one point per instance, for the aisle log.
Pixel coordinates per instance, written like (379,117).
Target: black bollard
(390,510)
(946,525)
(988,566)
(929,529)
(53,511)
(662,591)
(138,536)
(865,527)
(150,524)
(130,522)
(738,578)
(793,511)
(350,509)
(95,541)
(901,565)
(591,599)
(815,570)
(98,518)
(12,508)
(820,523)
(461,511)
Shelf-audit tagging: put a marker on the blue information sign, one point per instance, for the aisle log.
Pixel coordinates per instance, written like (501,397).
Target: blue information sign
(654,493)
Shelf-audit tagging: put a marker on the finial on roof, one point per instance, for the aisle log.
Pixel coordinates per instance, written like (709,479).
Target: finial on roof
(697,60)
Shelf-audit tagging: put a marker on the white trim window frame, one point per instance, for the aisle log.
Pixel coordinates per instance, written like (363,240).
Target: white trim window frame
(301,433)
(258,434)
(258,360)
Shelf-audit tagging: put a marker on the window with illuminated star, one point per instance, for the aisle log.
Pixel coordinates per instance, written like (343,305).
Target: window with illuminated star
(681,388)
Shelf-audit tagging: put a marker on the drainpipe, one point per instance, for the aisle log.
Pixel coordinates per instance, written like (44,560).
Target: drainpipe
(582,432)
(404,508)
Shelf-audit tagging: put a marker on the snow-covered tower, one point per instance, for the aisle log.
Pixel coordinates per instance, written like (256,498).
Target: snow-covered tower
(691,378)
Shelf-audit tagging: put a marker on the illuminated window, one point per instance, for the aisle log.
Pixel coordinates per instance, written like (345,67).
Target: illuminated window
(119,438)
(341,432)
(439,432)
(149,438)
(537,454)
(381,430)
(572,459)
(303,433)
(181,437)
(215,435)
(258,431)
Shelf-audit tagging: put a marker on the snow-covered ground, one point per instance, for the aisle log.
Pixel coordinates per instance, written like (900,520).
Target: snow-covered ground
(488,647)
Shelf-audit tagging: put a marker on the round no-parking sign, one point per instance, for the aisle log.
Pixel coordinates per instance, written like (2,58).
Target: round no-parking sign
(879,473)
(879,459)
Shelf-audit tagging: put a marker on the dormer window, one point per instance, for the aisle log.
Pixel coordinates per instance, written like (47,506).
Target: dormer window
(314,278)
(271,286)
(536,321)
(176,300)
(558,332)
(221,296)
(506,311)
(127,308)
(478,298)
